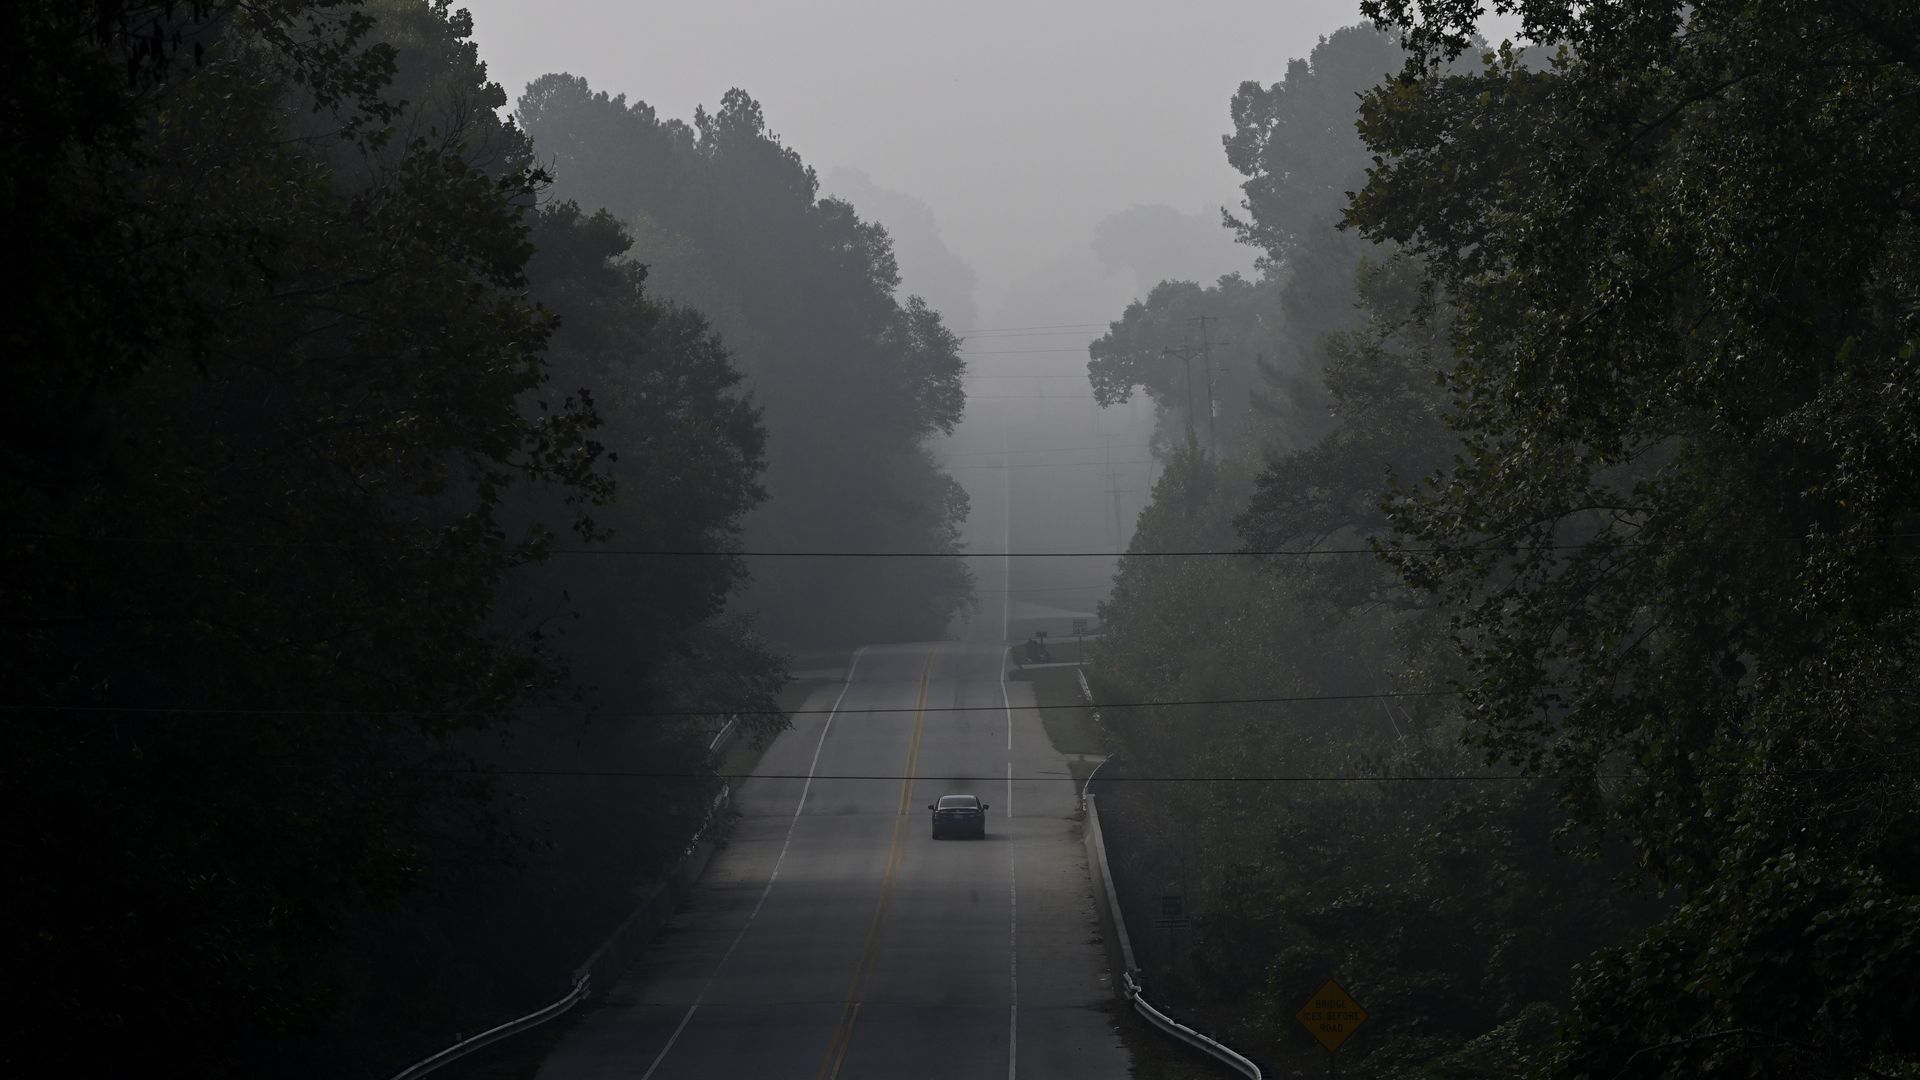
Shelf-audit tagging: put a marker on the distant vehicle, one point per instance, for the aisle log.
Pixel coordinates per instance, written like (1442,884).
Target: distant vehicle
(962,814)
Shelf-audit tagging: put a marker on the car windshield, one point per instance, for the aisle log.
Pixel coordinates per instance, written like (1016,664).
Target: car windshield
(958,802)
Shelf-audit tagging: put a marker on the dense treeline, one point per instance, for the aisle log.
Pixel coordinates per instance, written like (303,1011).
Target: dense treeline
(1622,397)
(852,379)
(315,391)
(1269,327)
(1675,536)
(1441,906)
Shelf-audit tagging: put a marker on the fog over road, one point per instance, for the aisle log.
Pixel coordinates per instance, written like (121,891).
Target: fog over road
(833,937)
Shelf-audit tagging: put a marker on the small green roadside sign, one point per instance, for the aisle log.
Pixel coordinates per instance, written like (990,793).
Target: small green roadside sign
(1173,914)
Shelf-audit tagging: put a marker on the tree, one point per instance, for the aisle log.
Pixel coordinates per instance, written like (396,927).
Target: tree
(1386,417)
(928,268)
(1157,345)
(1296,141)
(1683,252)
(269,409)
(688,451)
(851,379)
(1298,145)
(1358,836)
(512,892)
(1382,852)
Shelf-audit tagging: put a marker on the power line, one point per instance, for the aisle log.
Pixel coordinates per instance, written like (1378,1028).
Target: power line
(678,553)
(1003,335)
(1002,778)
(1019,329)
(1046,589)
(726,714)
(1016,352)
(664,553)
(1058,464)
(1034,450)
(710,714)
(1324,778)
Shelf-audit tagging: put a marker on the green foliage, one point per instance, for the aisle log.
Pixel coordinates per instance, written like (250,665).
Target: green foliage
(1445,905)
(1296,145)
(277,412)
(1683,250)
(84,83)
(286,437)
(690,445)
(1388,421)
(851,379)
(1358,838)
(1156,346)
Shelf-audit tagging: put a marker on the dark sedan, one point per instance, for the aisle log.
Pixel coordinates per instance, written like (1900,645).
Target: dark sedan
(964,815)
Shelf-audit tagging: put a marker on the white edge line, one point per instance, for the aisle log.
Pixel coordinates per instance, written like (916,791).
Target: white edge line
(1006,703)
(1006,536)
(1013,967)
(1013,895)
(771,878)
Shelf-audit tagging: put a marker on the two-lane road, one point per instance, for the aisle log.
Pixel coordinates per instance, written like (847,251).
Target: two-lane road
(834,938)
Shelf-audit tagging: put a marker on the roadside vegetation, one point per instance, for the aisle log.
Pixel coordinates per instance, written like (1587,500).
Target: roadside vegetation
(1579,448)
(333,392)
(850,379)
(1068,721)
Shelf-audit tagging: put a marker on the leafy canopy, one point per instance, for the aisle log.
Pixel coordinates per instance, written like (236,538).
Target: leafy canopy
(1683,249)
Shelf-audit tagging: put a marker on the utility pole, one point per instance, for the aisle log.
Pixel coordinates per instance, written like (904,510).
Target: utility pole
(1113,491)
(1186,358)
(1204,350)
(1213,407)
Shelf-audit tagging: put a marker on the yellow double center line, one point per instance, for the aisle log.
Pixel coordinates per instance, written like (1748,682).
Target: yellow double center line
(850,1011)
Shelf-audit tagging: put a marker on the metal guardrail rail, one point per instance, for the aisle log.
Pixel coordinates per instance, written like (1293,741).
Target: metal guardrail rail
(1129,973)
(614,951)
(493,1035)
(1136,994)
(1205,1044)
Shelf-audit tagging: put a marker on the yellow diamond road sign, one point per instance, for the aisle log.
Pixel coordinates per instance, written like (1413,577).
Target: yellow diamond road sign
(1331,1014)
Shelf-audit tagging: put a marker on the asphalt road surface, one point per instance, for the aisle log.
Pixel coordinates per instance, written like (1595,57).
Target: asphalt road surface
(833,937)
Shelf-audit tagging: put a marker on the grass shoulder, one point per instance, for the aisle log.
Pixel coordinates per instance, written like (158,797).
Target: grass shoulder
(1064,713)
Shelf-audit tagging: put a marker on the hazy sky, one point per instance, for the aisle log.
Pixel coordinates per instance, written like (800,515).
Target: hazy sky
(1021,122)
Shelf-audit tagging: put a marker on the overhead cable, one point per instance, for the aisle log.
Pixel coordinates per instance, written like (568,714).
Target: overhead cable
(714,714)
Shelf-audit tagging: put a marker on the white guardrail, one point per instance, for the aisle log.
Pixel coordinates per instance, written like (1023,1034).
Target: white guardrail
(1238,1062)
(493,1035)
(1129,972)
(615,950)
(1086,695)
